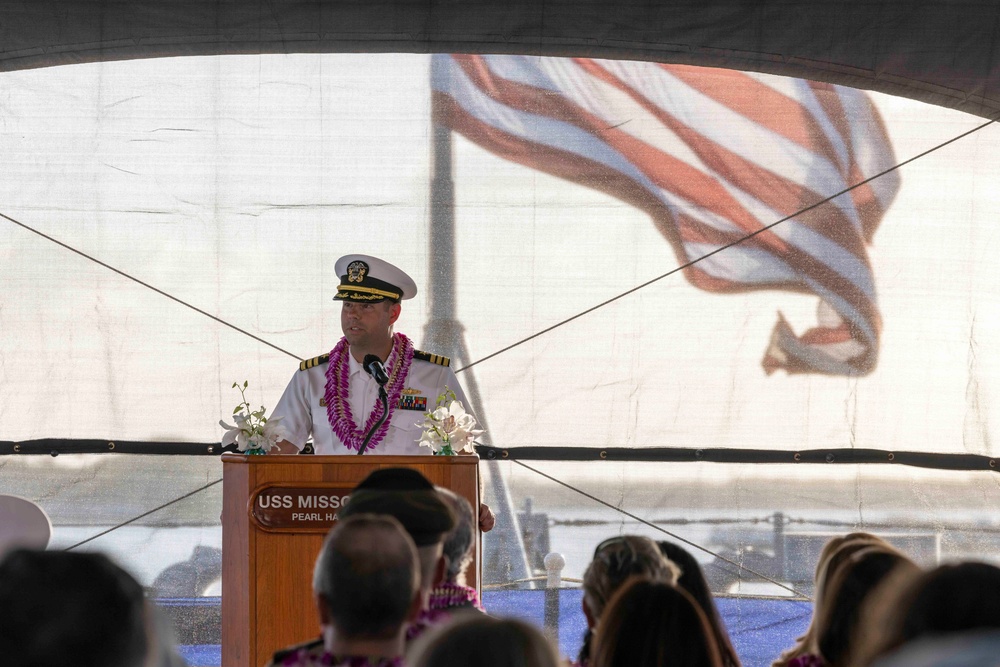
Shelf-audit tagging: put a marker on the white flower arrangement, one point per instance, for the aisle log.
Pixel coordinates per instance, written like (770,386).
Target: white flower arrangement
(449,429)
(253,433)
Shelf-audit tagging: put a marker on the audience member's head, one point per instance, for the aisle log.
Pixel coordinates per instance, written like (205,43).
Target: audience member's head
(617,559)
(475,640)
(962,649)
(407,496)
(948,600)
(692,579)
(837,620)
(366,579)
(834,552)
(458,542)
(61,608)
(952,598)
(654,624)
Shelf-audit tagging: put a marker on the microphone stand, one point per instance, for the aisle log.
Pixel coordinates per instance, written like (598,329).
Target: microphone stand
(384,398)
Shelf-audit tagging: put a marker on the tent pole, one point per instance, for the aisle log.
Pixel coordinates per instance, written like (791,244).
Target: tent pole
(504,547)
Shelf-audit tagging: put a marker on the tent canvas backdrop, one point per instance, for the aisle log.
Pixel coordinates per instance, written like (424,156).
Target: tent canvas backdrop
(233,183)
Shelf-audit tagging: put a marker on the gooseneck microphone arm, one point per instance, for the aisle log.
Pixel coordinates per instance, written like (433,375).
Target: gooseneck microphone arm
(384,398)
(373,366)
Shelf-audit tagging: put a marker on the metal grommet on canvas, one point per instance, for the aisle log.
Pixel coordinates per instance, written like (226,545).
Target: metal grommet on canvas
(504,454)
(892,457)
(993,463)
(604,454)
(830,458)
(211,449)
(699,454)
(111,446)
(17,449)
(797,457)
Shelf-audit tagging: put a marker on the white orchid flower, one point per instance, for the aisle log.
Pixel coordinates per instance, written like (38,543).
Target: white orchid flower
(253,431)
(237,433)
(431,439)
(449,426)
(271,433)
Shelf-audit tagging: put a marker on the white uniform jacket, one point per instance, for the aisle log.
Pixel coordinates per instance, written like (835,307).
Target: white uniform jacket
(303,407)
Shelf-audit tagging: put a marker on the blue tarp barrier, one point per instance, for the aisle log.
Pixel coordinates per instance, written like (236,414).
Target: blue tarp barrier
(761,628)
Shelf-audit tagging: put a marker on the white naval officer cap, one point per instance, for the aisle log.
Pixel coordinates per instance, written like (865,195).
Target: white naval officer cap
(367,279)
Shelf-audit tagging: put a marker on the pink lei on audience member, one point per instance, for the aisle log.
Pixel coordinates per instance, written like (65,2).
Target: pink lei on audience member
(338,409)
(303,658)
(452,596)
(807,660)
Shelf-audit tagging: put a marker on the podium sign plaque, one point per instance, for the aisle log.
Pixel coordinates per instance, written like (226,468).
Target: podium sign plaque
(305,509)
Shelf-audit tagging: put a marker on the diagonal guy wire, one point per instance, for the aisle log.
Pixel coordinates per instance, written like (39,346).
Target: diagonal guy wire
(558,324)
(728,245)
(144,514)
(147,285)
(524,340)
(663,530)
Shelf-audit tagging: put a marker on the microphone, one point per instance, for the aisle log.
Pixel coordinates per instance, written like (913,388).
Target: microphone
(373,366)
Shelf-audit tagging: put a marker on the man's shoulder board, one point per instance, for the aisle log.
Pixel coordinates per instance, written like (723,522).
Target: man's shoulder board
(315,361)
(433,358)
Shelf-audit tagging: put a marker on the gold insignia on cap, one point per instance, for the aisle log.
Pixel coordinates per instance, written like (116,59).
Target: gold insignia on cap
(356,271)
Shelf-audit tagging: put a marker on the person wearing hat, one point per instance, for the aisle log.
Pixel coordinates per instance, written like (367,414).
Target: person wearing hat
(411,500)
(333,398)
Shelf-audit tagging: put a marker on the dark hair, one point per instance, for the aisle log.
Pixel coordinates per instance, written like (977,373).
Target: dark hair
(850,585)
(952,598)
(367,576)
(654,624)
(476,640)
(62,607)
(693,581)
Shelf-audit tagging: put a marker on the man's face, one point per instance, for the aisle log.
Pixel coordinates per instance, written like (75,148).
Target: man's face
(368,325)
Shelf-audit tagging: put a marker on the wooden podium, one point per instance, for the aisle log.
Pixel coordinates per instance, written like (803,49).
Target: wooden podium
(276,512)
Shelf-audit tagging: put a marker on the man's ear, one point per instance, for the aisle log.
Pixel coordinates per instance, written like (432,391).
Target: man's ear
(394,310)
(322,608)
(416,606)
(440,570)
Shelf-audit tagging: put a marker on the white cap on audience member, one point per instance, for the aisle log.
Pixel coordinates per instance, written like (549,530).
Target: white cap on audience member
(23,524)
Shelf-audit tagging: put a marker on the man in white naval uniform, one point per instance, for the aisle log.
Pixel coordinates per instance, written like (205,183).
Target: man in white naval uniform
(336,401)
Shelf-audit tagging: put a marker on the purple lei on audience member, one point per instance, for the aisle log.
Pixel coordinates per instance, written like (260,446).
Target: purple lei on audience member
(338,409)
(807,660)
(451,596)
(427,619)
(303,658)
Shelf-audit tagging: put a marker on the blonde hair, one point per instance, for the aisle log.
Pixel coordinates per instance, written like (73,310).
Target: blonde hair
(616,561)
(835,552)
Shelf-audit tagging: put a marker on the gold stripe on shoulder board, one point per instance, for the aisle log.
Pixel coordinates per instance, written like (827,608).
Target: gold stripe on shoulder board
(315,361)
(438,359)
